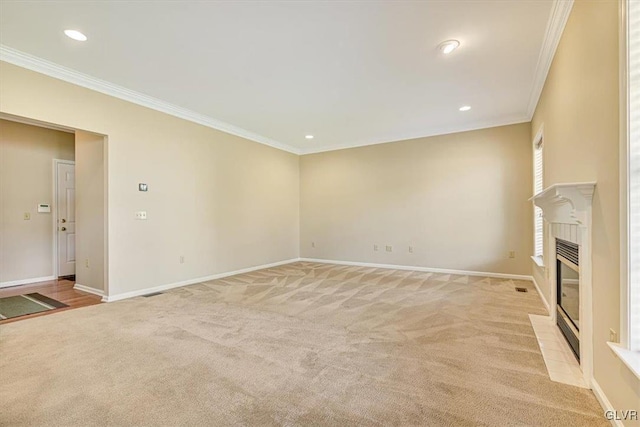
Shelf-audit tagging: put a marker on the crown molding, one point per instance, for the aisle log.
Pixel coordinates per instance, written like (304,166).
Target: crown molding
(557,20)
(33,63)
(444,130)
(560,11)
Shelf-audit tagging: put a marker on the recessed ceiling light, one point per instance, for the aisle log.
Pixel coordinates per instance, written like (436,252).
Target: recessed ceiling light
(308,136)
(448,46)
(465,108)
(76,35)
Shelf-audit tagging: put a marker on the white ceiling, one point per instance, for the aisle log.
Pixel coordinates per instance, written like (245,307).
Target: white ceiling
(350,73)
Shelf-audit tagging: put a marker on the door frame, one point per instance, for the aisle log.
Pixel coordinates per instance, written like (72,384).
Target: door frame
(54,209)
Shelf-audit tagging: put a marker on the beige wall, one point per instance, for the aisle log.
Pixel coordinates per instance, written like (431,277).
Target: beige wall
(26,179)
(90,209)
(579,110)
(222,202)
(460,200)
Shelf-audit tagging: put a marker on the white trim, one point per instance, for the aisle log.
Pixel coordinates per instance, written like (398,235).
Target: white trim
(31,122)
(33,63)
(542,297)
(30,62)
(416,268)
(604,401)
(538,147)
(538,260)
(26,281)
(539,135)
(54,210)
(88,289)
(566,203)
(630,358)
(625,284)
(558,18)
(568,207)
(160,288)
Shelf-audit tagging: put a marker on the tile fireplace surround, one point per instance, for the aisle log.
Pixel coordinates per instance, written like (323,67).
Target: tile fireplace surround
(567,209)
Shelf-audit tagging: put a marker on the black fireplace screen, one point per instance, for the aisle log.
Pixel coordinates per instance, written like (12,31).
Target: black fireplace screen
(568,291)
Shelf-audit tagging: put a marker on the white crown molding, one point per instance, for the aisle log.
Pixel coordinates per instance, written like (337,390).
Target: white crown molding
(478,125)
(557,20)
(33,63)
(560,11)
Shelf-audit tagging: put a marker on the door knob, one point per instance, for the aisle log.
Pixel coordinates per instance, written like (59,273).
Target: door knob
(63,228)
(63,220)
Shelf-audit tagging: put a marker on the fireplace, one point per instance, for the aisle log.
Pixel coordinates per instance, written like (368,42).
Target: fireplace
(567,210)
(568,292)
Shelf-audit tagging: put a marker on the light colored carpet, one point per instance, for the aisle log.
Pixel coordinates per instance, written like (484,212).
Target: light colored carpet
(301,344)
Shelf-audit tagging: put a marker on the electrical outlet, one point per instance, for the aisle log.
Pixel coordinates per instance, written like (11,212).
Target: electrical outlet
(27,216)
(613,336)
(313,244)
(86,262)
(181,259)
(375,248)
(512,254)
(410,249)
(141,215)
(389,248)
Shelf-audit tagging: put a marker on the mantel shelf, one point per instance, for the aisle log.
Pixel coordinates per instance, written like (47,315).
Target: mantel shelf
(567,203)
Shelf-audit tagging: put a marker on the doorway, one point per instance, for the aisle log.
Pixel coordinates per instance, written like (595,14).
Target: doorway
(65,218)
(53,212)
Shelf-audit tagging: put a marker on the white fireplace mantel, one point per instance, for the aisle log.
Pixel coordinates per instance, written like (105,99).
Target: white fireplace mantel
(567,208)
(567,203)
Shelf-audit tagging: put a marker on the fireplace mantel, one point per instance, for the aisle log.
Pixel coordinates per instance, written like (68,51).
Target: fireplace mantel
(567,207)
(566,203)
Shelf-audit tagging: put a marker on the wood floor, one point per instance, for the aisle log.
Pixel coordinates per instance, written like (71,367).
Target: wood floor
(60,290)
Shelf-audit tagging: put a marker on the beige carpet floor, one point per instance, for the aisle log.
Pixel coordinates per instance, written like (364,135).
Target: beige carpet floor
(301,344)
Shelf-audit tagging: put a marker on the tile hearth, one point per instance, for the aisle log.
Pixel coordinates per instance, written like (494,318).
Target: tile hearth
(561,363)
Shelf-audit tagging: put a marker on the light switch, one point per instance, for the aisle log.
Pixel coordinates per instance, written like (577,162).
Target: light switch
(141,215)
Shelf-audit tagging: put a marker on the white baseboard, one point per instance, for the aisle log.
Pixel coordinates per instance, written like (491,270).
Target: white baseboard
(88,289)
(604,402)
(542,297)
(426,269)
(125,295)
(26,281)
(160,288)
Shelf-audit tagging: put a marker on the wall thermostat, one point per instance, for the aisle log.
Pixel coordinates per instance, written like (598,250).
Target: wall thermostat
(44,208)
(142,187)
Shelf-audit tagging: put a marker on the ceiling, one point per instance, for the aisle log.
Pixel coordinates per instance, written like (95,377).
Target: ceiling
(350,73)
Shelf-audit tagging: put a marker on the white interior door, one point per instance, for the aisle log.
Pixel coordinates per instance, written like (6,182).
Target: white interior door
(66,206)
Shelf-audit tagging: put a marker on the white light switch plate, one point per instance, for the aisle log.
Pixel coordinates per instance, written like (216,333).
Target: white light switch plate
(141,215)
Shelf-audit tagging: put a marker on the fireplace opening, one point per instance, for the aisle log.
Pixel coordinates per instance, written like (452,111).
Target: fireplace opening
(568,293)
